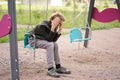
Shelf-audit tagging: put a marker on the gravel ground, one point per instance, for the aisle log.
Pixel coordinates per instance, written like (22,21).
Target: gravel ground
(100,61)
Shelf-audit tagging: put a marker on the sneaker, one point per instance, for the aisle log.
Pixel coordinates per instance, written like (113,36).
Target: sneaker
(63,70)
(53,73)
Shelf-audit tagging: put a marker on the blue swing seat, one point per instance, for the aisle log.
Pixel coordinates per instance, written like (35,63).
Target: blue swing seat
(26,40)
(76,35)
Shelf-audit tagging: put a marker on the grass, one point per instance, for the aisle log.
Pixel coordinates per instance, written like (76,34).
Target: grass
(39,14)
(99,25)
(20,35)
(4,39)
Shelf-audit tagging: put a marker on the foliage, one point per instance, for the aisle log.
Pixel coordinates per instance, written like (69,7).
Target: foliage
(73,19)
(106,4)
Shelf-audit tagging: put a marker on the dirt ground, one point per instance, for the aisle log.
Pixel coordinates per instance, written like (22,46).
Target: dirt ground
(100,61)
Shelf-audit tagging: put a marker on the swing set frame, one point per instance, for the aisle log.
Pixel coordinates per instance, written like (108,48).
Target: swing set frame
(13,36)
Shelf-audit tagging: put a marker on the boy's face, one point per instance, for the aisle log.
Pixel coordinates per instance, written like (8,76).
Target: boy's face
(56,21)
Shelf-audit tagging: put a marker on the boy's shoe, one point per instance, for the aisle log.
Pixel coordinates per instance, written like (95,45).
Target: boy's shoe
(63,70)
(53,73)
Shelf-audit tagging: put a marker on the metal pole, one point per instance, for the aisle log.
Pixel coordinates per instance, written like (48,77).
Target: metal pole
(30,23)
(74,7)
(13,42)
(89,21)
(30,16)
(118,5)
(47,10)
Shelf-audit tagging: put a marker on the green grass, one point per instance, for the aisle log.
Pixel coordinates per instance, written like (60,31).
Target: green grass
(4,39)
(39,14)
(99,25)
(20,35)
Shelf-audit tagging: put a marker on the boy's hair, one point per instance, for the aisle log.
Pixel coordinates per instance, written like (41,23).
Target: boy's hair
(57,14)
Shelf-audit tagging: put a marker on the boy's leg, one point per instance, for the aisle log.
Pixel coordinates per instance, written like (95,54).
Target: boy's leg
(56,54)
(59,68)
(49,46)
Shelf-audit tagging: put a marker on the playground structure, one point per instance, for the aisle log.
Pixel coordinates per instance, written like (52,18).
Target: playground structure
(103,16)
(13,36)
(6,29)
(92,13)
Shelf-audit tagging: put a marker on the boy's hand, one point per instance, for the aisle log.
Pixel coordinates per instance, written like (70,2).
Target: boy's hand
(60,27)
(53,27)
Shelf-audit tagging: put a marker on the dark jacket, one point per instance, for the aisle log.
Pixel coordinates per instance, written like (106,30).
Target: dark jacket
(43,32)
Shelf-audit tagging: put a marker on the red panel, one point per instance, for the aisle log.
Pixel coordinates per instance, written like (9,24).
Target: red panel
(107,15)
(5,25)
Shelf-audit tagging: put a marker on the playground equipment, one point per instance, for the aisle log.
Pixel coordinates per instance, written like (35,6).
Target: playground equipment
(13,35)
(103,16)
(107,15)
(76,34)
(27,35)
(111,14)
(5,25)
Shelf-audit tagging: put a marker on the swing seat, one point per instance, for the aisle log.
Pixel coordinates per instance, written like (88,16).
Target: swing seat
(26,40)
(76,35)
(5,25)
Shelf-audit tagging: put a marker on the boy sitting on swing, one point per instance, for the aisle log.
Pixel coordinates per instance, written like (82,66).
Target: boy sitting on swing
(47,33)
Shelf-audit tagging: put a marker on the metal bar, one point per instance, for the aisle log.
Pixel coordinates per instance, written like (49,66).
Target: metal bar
(30,16)
(89,21)
(13,41)
(74,8)
(30,23)
(47,10)
(118,5)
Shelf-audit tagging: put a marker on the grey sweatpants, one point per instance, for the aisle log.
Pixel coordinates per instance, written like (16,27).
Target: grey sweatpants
(52,52)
